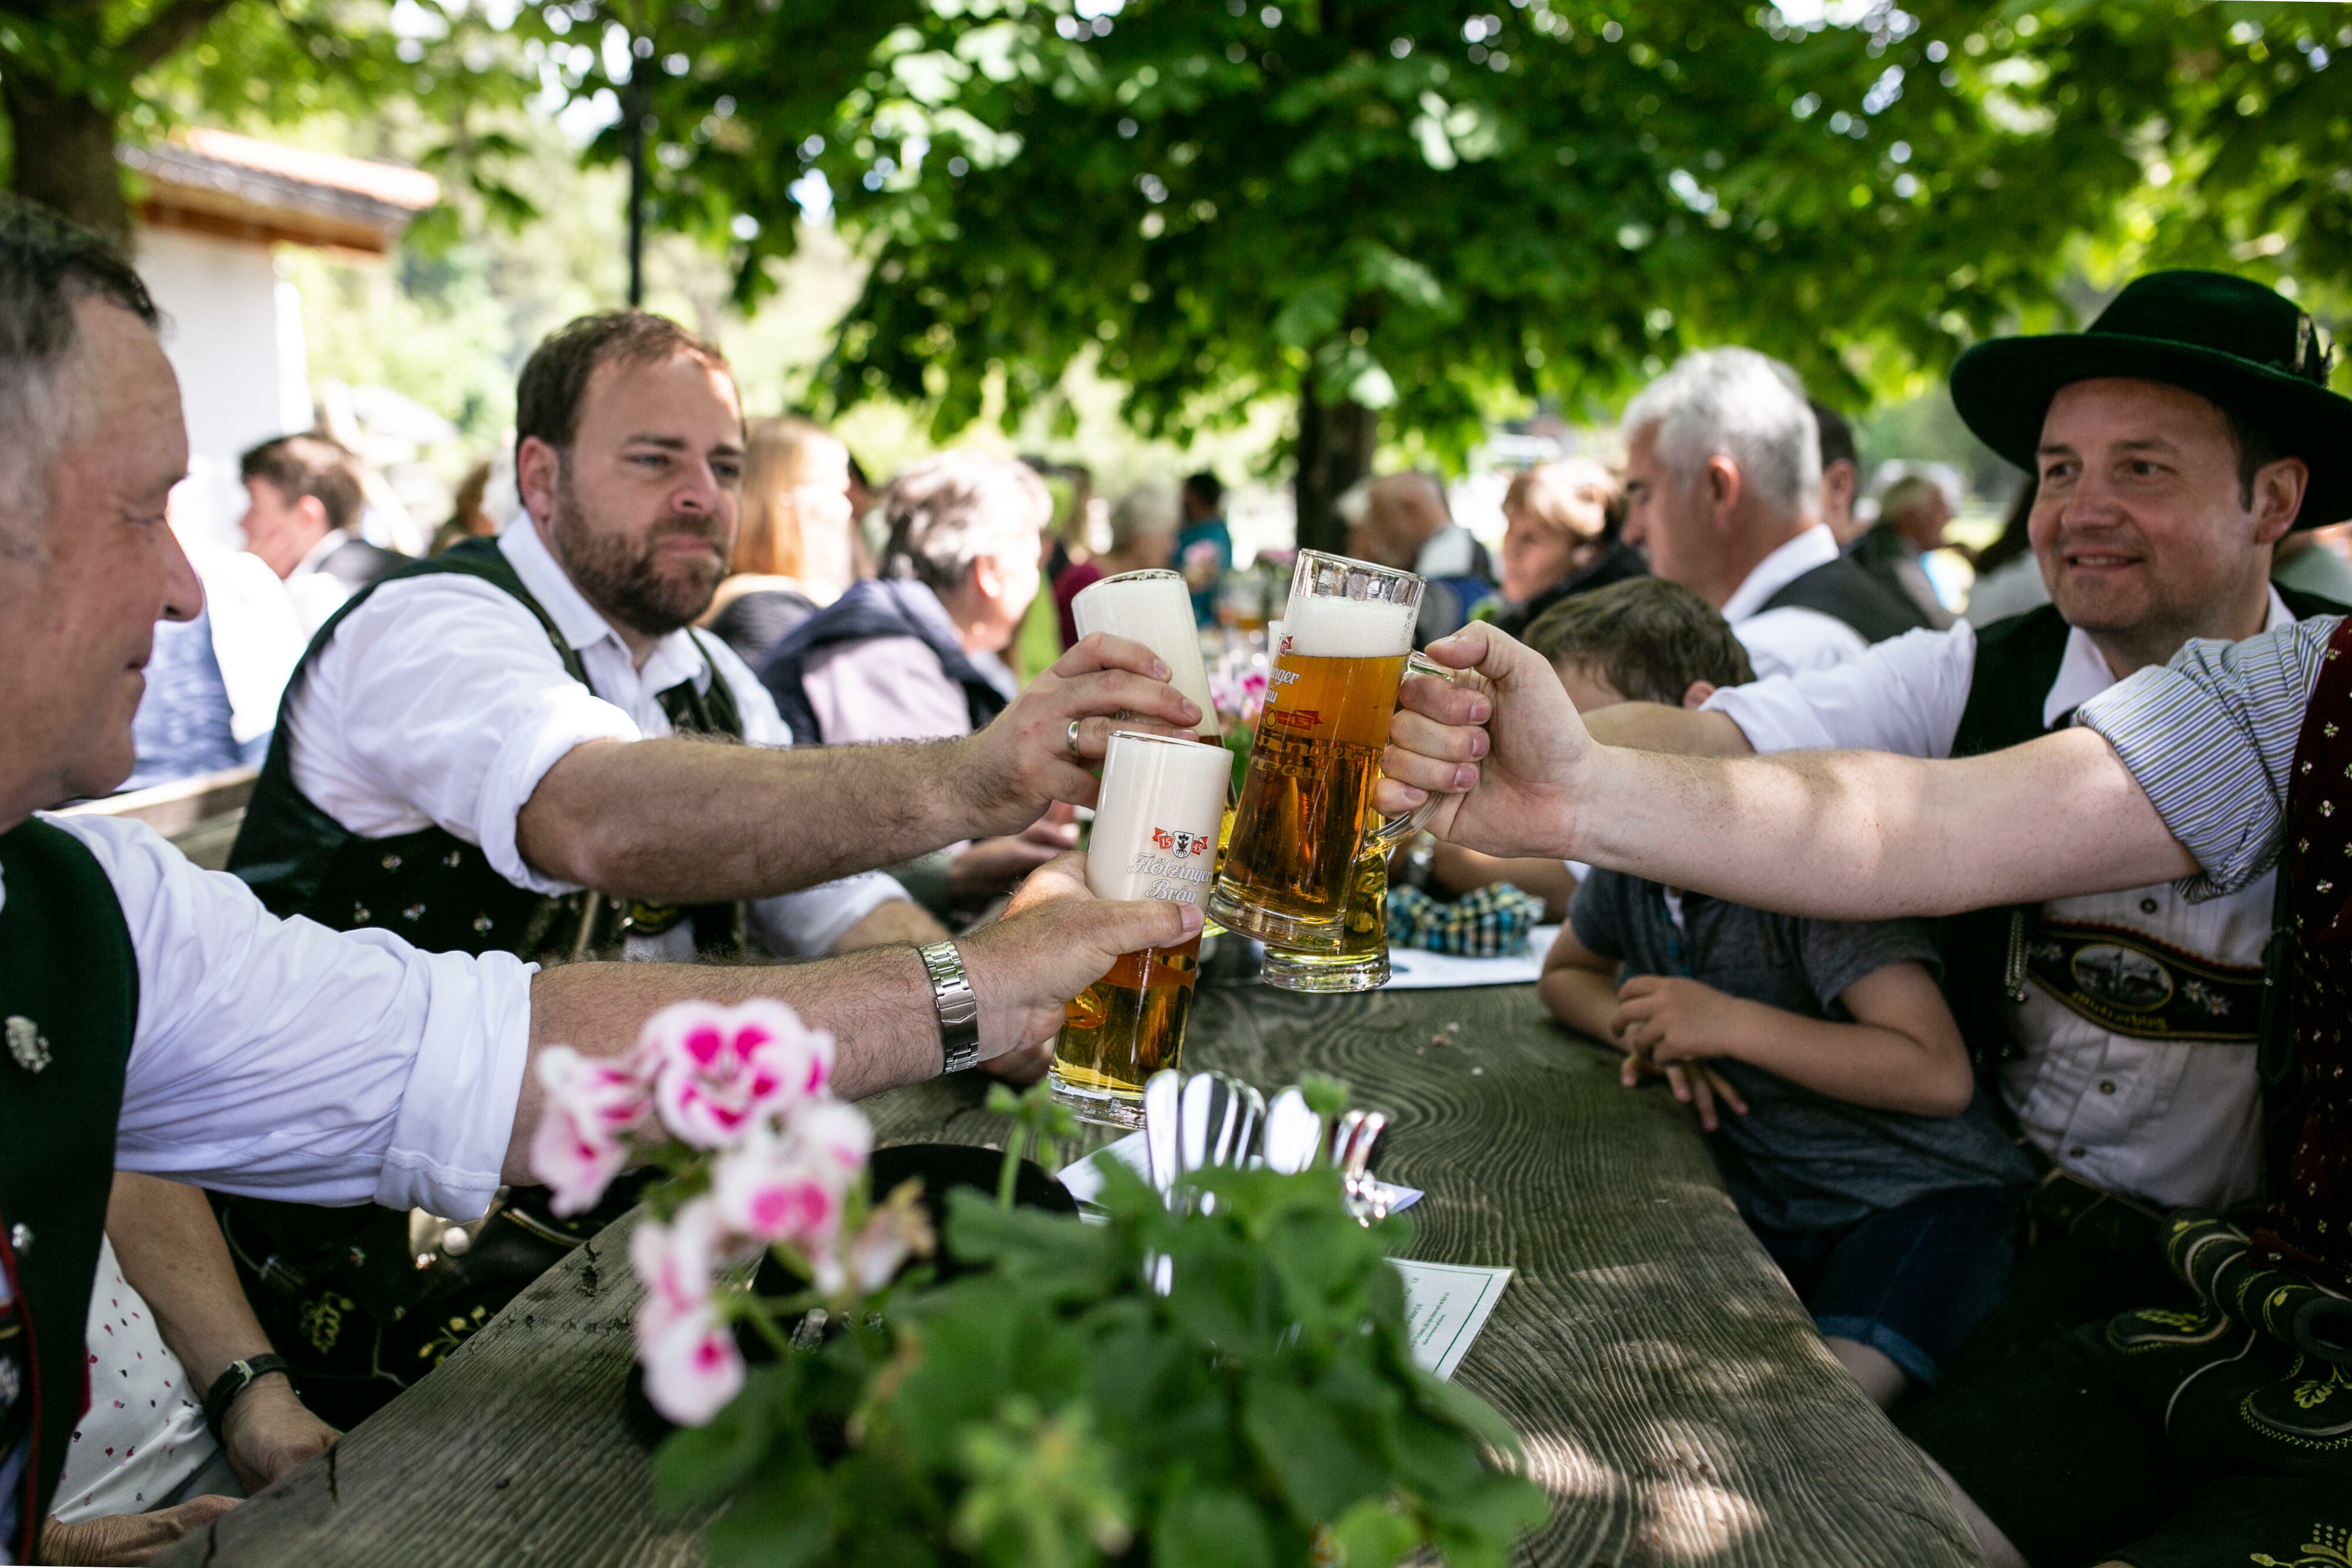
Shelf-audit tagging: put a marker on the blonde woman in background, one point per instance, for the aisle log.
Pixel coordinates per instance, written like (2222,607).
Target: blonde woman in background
(794,550)
(1561,522)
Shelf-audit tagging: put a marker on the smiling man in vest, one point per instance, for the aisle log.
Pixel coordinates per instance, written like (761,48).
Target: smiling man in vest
(159,1018)
(2215,1432)
(2121,1026)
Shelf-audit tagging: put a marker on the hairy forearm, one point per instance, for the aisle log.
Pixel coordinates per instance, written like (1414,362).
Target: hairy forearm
(691,821)
(1654,726)
(1860,1063)
(1864,835)
(172,1253)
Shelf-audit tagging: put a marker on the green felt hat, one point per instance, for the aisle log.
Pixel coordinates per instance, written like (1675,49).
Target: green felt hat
(2246,348)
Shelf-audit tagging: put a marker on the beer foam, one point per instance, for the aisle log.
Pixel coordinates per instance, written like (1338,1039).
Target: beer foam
(1324,626)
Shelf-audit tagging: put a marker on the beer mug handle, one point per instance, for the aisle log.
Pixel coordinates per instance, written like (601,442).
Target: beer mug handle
(1390,831)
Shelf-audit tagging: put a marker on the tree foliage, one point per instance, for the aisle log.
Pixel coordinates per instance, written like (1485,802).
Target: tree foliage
(1445,211)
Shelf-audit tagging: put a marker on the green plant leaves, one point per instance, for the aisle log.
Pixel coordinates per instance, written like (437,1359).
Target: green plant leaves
(1211,1528)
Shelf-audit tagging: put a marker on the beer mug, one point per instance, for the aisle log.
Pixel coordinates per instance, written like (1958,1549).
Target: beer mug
(1304,818)
(1360,963)
(1155,836)
(1155,608)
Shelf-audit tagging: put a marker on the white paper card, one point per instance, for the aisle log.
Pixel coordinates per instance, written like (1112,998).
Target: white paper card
(1445,1306)
(1084,1178)
(1418,969)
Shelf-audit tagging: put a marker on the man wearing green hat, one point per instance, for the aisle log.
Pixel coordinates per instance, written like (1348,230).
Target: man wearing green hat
(2120,1026)
(2220,1431)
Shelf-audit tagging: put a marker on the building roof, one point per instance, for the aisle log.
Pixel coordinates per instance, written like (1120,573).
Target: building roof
(216,182)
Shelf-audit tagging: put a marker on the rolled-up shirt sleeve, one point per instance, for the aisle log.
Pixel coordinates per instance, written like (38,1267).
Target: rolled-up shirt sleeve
(1906,696)
(445,694)
(2210,738)
(278,1059)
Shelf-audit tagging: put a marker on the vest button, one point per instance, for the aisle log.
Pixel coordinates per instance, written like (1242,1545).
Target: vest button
(392,862)
(2107,1085)
(359,914)
(20,1237)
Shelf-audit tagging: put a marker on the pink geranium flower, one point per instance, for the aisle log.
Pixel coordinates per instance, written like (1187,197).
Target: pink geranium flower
(717,1070)
(786,1183)
(692,1368)
(579,1145)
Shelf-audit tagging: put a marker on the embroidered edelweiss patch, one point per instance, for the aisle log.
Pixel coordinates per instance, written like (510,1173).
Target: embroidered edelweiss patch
(25,1043)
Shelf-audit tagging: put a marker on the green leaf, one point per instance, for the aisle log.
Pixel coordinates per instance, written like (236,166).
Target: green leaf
(1373,1535)
(1309,1449)
(1211,1528)
(699,1464)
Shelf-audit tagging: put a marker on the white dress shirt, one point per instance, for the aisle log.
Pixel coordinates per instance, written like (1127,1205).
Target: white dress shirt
(2168,1123)
(316,594)
(280,1060)
(1792,639)
(441,702)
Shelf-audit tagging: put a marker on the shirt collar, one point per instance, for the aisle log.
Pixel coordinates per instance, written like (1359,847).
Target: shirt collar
(329,543)
(2083,674)
(1815,546)
(676,657)
(1451,551)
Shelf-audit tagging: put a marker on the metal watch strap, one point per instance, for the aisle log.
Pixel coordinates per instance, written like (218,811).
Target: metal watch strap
(958,1008)
(241,1376)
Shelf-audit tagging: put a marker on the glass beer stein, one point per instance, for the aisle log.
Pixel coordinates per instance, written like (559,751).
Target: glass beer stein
(1306,818)
(1155,836)
(1360,963)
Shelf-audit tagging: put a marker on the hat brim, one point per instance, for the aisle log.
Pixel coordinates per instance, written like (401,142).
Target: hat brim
(2002,391)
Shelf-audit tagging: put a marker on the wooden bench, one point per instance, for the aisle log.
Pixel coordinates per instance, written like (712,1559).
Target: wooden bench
(201,814)
(1673,1395)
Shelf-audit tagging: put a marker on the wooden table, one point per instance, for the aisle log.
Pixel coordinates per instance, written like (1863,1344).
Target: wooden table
(1673,1395)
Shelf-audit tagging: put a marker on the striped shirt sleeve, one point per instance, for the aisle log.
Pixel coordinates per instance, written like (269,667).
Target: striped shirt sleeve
(2210,737)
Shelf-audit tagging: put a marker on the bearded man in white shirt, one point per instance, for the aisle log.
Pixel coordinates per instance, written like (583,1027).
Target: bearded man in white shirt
(160,1020)
(2121,1026)
(1723,491)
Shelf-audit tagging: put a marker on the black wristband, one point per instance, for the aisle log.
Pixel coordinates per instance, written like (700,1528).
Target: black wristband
(241,1376)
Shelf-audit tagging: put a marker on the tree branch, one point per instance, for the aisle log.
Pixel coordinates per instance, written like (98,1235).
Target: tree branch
(169,30)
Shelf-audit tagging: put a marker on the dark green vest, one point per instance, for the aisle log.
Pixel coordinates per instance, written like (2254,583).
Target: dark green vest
(70,998)
(339,1289)
(430,886)
(2016,662)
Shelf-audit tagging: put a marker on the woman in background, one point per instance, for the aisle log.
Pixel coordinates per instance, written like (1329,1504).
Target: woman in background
(794,552)
(1143,538)
(1561,522)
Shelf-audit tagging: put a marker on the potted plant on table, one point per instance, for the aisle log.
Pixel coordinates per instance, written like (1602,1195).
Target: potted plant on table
(1046,1406)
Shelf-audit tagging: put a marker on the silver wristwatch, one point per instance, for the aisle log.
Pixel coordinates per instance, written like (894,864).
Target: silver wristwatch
(958,1008)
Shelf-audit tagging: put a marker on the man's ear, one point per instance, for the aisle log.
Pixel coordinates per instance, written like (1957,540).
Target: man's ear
(313,513)
(2278,497)
(538,469)
(1721,481)
(1699,692)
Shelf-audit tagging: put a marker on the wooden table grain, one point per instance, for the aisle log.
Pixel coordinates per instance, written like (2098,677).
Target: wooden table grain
(1671,1391)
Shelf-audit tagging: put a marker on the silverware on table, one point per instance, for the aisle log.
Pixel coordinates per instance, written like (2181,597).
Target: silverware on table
(1351,1151)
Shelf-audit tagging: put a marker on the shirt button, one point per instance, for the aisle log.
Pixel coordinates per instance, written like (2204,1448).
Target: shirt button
(2147,906)
(2077,1151)
(2107,1085)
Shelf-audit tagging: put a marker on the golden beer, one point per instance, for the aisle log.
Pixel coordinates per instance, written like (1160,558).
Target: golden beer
(1306,807)
(1156,821)
(1360,963)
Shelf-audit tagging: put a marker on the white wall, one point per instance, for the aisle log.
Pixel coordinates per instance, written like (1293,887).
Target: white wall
(234,333)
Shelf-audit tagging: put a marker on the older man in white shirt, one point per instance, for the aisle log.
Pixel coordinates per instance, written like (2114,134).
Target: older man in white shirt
(1723,481)
(159,1018)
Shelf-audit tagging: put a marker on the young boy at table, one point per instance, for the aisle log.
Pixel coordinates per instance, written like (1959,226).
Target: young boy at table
(1856,1144)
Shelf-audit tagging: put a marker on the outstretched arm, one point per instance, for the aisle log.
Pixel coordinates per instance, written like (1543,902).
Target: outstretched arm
(686,822)
(1837,835)
(1056,940)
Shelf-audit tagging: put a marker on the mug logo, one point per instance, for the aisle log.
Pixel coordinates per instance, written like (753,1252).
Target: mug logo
(1298,718)
(1179,843)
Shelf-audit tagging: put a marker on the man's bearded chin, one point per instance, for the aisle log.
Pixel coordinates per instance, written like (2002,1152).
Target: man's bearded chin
(625,580)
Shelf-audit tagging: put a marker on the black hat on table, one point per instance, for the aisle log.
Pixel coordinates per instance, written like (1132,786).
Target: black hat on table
(2247,349)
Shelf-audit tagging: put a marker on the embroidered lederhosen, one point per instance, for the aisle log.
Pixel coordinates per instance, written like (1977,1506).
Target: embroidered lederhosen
(339,1289)
(68,1003)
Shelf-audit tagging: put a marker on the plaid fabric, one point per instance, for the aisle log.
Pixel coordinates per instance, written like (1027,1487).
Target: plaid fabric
(1491,923)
